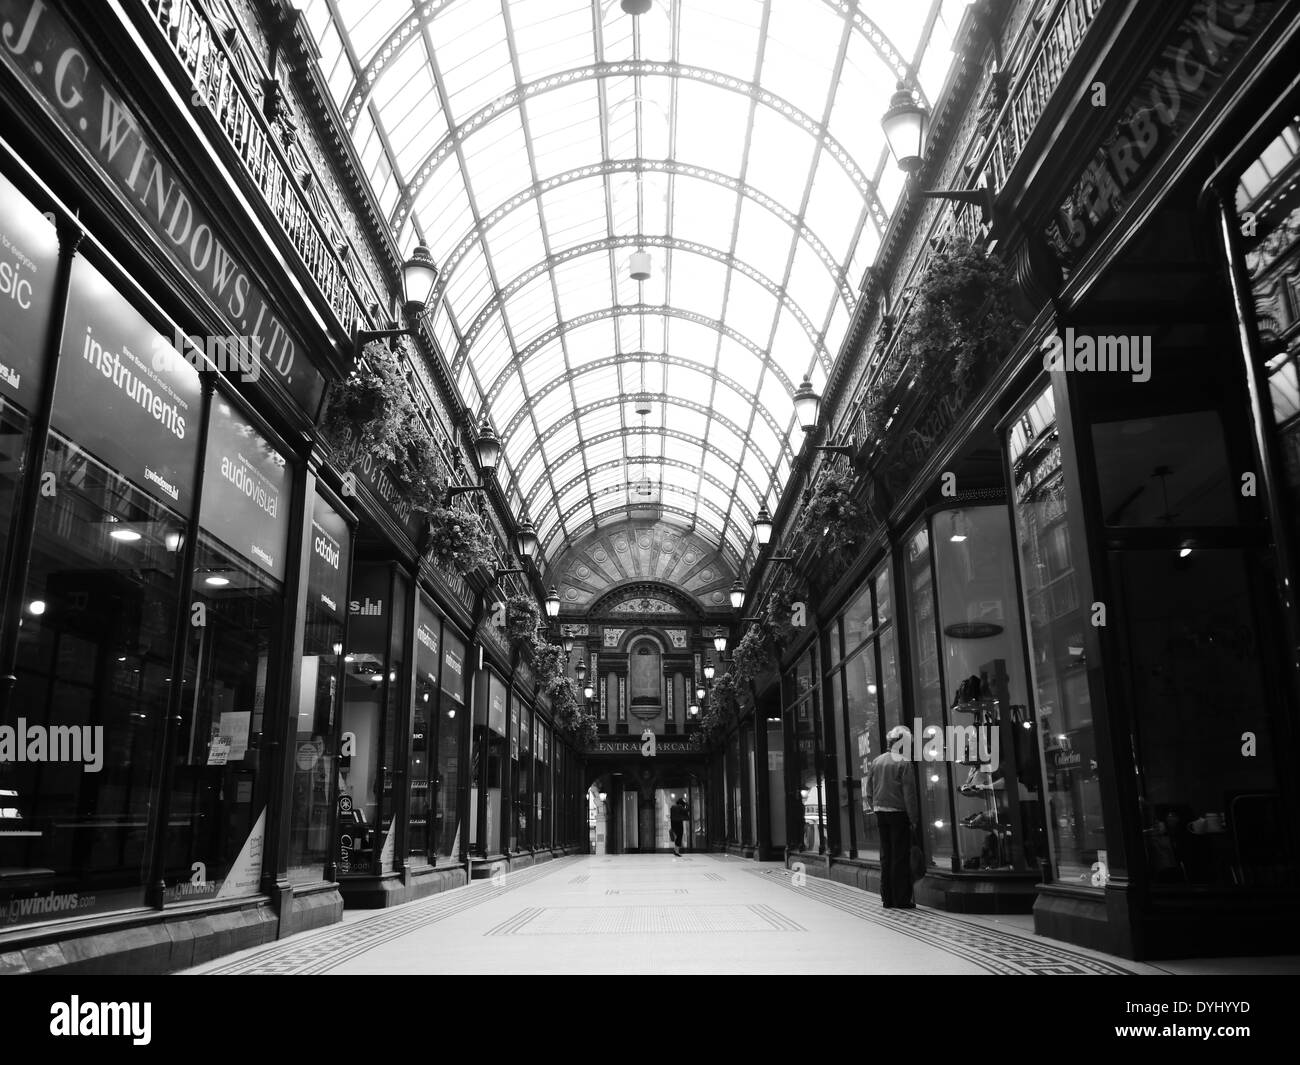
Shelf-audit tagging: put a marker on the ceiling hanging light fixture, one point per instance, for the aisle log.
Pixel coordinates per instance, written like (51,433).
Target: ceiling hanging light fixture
(634,7)
(639,265)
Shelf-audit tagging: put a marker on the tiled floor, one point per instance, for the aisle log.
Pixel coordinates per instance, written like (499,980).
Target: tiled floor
(657,914)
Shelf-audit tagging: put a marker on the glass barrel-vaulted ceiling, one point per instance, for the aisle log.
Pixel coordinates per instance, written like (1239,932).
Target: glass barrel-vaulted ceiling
(536,145)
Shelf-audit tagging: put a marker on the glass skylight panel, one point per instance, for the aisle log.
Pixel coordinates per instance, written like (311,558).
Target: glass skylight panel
(748,501)
(583,284)
(938,55)
(641,332)
(492,352)
(780,153)
(722,34)
(412,113)
(552,406)
(704,212)
(716,466)
(550,35)
(751,303)
(683,419)
(465,381)
(757,468)
(811,285)
(516,446)
(834,199)
(472,56)
(601,419)
(575,213)
(724,439)
(496,158)
(697,283)
(370,24)
(468,288)
(530,310)
(564,125)
(731,404)
(738,361)
(838,326)
(763,439)
(654,30)
(890,187)
(864,252)
(615,33)
(443,209)
(573,495)
(799,54)
(711,126)
(632,292)
(548,524)
(792,349)
(565,437)
(533,470)
(692,384)
(443,330)
(762,239)
(515,243)
(339,76)
(675,448)
(599,383)
(510,399)
(563,473)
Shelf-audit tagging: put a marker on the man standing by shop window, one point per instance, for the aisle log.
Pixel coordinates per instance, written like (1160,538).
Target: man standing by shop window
(891,787)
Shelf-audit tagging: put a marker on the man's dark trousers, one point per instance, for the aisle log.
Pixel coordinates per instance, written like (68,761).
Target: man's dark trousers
(895,858)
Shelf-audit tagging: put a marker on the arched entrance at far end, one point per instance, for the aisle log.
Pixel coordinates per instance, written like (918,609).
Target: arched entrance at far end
(633,817)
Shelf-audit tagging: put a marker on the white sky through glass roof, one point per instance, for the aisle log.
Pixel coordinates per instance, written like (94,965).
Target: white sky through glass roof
(536,145)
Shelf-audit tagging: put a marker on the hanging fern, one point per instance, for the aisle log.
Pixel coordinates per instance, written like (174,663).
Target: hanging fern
(371,413)
(522,618)
(457,540)
(569,714)
(753,654)
(548,663)
(962,320)
(831,519)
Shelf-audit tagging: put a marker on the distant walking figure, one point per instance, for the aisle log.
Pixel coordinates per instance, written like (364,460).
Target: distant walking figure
(891,787)
(678,816)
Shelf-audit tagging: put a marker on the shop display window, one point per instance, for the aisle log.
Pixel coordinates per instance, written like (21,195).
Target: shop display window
(421,843)
(804,707)
(319,696)
(371,690)
(1052,569)
(989,743)
(927,691)
(451,723)
(542,787)
(94,659)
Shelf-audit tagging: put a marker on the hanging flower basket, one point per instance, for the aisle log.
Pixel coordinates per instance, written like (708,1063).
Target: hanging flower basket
(569,715)
(962,320)
(371,413)
(456,541)
(831,519)
(522,618)
(548,663)
(753,654)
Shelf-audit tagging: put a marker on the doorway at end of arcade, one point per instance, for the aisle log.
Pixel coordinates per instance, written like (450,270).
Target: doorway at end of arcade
(630,812)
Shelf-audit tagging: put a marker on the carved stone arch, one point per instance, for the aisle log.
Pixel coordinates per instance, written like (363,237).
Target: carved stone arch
(687,607)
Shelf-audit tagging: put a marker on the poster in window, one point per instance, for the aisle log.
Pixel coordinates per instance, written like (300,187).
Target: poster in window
(29,256)
(245,490)
(122,395)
